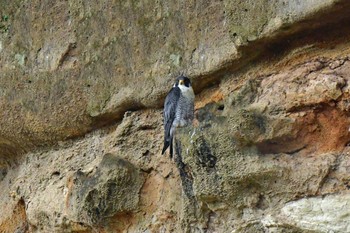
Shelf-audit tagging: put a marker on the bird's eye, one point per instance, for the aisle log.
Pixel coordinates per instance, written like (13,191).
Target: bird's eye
(181,82)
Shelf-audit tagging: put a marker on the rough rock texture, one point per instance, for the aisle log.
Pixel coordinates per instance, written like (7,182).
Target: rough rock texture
(318,213)
(77,68)
(81,85)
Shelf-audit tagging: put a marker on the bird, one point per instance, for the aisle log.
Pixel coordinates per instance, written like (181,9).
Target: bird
(178,110)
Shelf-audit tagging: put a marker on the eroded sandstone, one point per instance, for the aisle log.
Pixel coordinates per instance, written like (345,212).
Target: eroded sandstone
(81,131)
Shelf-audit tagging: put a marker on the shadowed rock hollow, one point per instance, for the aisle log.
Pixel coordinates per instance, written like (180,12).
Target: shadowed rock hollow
(81,89)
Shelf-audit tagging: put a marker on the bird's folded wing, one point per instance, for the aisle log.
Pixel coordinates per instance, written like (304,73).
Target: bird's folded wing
(170,105)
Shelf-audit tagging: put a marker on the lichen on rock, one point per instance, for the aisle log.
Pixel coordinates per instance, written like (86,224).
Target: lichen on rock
(110,189)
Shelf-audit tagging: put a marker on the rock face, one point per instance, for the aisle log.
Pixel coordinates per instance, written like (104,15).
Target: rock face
(81,123)
(112,188)
(321,214)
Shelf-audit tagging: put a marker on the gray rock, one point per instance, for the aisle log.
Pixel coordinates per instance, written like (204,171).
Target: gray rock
(112,187)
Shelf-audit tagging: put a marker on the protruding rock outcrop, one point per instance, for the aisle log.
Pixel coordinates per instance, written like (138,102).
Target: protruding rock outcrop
(81,125)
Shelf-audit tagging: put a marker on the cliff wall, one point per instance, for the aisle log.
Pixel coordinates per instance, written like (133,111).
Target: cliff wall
(82,85)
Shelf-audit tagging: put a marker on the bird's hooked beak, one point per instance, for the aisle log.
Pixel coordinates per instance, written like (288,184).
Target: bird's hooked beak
(181,82)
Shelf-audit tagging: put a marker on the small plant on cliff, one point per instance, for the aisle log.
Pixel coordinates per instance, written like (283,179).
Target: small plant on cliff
(4,24)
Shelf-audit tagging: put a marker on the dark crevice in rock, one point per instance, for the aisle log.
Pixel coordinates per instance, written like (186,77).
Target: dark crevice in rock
(147,170)
(3,172)
(204,155)
(221,107)
(285,145)
(304,108)
(107,119)
(190,206)
(295,151)
(209,114)
(67,56)
(10,155)
(186,178)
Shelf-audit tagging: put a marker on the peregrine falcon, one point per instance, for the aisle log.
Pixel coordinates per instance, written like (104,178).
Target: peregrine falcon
(178,110)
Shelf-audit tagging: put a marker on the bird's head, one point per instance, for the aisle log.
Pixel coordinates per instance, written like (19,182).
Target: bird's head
(182,81)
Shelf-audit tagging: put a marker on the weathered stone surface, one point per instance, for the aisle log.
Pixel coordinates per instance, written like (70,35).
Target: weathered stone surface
(269,142)
(114,172)
(111,188)
(279,136)
(77,69)
(17,221)
(320,214)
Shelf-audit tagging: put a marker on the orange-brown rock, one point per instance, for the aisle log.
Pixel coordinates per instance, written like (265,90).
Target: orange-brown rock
(82,84)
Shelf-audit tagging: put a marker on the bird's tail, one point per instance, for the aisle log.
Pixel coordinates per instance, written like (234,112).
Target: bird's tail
(171,148)
(168,143)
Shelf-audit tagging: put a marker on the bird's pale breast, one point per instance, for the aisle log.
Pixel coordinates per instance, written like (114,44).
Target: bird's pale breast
(185,108)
